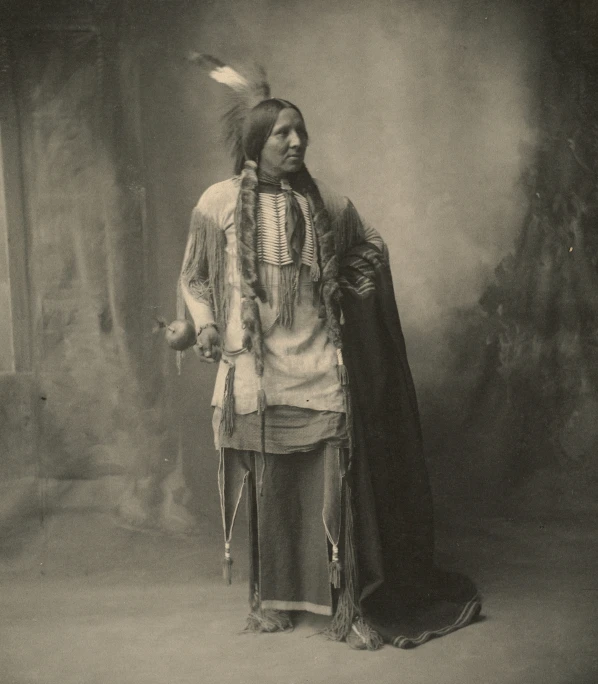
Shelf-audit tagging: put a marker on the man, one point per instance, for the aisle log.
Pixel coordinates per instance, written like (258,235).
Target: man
(339,505)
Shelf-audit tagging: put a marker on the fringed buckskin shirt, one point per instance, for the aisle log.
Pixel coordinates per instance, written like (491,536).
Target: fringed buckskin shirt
(300,363)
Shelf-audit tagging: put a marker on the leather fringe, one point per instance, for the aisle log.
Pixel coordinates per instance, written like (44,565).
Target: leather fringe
(294,223)
(328,260)
(203,271)
(315,273)
(228,402)
(343,373)
(287,293)
(348,624)
(343,376)
(204,267)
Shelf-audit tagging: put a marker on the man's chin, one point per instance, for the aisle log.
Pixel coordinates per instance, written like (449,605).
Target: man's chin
(294,165)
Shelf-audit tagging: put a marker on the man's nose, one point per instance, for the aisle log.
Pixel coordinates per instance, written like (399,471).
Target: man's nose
(294,139)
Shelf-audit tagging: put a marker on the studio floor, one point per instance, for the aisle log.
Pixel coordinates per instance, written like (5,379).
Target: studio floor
(85,600)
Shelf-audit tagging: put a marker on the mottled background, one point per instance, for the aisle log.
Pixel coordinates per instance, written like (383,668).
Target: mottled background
(420,112)
(423,113)
(466,132)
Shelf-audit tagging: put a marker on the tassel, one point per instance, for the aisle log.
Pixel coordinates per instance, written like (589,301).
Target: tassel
(227,565)
(363,637)
(346,607)
(228,403)
(262,402)
(343,373)
(340,625)
(335,569)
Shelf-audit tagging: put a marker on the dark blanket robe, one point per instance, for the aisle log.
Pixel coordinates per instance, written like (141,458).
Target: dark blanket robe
(401,593)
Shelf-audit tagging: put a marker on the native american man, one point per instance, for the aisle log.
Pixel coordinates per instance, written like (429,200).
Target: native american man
(315,413)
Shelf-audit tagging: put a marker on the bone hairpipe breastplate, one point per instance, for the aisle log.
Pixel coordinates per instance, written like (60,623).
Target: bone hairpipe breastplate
(272,241)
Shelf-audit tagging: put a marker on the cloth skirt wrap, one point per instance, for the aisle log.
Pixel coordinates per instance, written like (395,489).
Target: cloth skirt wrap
(288,429)
(294,504)
(294,501)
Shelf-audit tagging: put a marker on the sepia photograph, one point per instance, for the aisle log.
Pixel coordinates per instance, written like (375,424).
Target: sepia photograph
(299,353)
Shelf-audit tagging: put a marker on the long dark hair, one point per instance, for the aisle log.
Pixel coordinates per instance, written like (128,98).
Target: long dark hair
(258,126)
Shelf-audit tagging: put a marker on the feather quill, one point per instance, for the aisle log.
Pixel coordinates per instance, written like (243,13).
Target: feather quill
(244,91)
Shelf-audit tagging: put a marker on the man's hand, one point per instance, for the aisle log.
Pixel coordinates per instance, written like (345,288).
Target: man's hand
(208,345)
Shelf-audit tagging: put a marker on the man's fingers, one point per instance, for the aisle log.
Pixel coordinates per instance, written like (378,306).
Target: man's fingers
(209,347)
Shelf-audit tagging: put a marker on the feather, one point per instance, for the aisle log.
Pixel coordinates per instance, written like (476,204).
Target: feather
(219,71)
(229,77)
(244,92)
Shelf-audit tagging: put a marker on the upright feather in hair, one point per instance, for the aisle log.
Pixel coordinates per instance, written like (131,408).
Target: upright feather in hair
(219,71)
(244,92)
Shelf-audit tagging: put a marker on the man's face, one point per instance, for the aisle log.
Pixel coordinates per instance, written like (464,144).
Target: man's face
(284,150)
